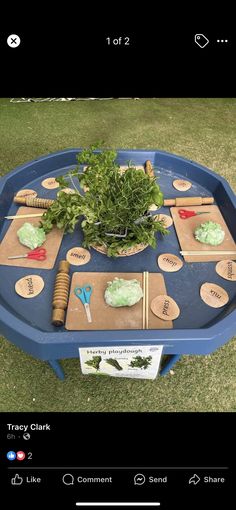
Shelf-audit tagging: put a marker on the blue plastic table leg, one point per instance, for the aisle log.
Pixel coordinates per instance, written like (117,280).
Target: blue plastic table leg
(55,365)
(170,363)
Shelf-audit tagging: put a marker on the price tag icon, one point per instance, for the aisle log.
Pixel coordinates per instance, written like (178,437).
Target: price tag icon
(201,40)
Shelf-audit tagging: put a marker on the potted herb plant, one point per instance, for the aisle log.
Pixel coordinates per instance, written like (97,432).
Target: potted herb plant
(114,206)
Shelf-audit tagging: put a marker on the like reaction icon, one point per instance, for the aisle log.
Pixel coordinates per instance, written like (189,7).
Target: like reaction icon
(11,455)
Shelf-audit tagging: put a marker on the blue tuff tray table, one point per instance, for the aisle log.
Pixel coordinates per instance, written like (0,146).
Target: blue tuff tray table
(199,329)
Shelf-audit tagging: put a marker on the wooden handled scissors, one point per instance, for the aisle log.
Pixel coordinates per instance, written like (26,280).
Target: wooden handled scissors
(37,254)
(84,294)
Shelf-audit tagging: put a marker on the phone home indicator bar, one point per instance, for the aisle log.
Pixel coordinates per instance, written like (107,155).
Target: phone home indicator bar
(117,504)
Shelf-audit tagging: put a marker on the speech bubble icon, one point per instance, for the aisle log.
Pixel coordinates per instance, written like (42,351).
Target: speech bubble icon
(139,479)
(68,479)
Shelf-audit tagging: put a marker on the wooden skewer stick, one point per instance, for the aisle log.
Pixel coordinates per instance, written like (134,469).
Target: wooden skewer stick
(205,252)
(147,300)
(144,300)
(21,216)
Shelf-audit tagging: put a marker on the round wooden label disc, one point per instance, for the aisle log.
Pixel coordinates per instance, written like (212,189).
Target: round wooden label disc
(78,256)
(169,262)
(165,218)
(68,191)
(29,286)
(181,185)
(213,295)
(165,308)
(50,183)
(27,193)
(227,269)
(153,207)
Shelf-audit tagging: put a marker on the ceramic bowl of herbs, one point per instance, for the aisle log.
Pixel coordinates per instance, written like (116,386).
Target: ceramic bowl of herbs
(115,207)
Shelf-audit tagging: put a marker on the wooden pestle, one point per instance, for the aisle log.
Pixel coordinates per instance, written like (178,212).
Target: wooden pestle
(148,168)
(185,201)
(61,294)
(43,203)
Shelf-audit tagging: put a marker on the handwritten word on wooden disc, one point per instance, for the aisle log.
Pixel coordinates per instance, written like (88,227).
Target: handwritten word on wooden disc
(165,218)
(27,193)
(181,185)
(227,270)
(213,295)
(78,256)
(29,286)
(169,262)
(50,183)
(165,308)
(68,191)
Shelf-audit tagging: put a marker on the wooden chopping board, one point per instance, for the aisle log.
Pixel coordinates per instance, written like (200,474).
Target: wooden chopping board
(185,231)
(10,245)
(105,317)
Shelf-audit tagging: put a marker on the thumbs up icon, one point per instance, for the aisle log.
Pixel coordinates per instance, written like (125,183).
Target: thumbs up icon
(17,480)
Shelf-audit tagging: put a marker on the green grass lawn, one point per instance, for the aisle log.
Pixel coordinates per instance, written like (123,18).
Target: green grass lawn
(200,129)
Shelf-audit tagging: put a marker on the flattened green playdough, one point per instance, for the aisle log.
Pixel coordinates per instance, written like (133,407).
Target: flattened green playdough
(31,236)
(210,233)
(122,292)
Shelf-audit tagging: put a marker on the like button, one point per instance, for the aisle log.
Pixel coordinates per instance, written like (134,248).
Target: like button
(17,480)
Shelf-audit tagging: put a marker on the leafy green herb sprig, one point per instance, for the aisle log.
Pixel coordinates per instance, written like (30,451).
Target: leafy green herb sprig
(141,362)
(114,363)
(94,362)
(114,204)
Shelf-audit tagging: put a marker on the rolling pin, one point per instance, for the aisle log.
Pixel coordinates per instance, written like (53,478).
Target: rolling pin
(185,201)
(61,294)
(43,203)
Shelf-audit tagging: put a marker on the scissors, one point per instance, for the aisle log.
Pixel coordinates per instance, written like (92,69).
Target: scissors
(184,214)
(37,254)
(84,293)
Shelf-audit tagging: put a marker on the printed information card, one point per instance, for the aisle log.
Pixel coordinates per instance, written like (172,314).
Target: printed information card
(139,362)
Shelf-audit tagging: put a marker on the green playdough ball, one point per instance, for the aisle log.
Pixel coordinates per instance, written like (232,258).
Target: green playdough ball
(122,292)
(210,233)
(31,236)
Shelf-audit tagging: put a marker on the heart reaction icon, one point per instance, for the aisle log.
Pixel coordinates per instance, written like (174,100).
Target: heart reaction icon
(20,455)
